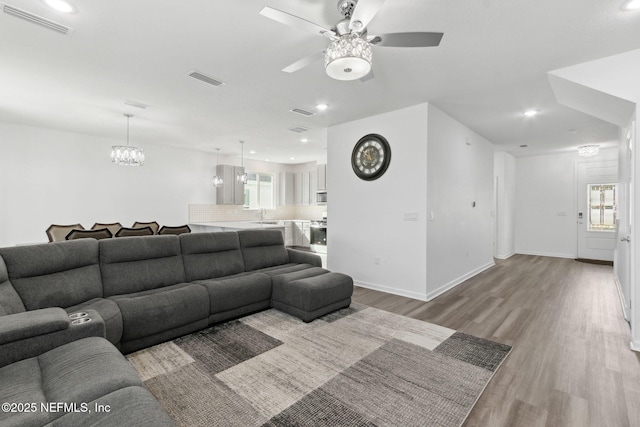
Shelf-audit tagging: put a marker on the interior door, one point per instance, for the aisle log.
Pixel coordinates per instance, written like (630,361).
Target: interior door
(622,262)
(597,209)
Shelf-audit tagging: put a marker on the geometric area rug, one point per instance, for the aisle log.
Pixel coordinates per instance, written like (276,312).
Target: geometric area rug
(359,366)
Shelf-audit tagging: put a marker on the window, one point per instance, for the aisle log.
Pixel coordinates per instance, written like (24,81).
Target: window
(259,191)
(602,207)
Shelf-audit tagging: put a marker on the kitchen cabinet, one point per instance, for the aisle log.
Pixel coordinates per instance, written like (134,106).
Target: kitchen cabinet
(322,177)
(288,233)
(301,231)
(231,192)
(286,185)
(297,188)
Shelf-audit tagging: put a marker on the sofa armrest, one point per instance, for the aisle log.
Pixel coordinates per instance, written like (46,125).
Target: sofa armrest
(303,257)
(41,336)
(19,326)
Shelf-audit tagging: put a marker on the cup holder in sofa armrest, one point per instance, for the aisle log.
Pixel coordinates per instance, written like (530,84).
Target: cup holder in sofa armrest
(78,315)
(81,320)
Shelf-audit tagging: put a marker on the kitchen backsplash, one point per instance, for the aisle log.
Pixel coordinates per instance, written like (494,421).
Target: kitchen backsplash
(208,213)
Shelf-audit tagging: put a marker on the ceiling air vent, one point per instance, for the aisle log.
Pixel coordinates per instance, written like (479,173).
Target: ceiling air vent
(203,78)
(18,13)
(302,112)
(136,104)
(298,129)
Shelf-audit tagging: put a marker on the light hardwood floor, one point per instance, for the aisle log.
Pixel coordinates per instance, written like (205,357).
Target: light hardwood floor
(570,365)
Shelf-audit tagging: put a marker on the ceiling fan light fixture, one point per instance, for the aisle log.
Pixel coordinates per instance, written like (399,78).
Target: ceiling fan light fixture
(348,58)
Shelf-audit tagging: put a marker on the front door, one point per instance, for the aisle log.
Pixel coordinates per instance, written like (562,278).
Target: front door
(597,198)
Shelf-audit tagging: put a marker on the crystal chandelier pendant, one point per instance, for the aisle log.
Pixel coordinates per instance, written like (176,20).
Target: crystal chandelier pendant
(241,178)
(127,155)
(217,180)
(348,58)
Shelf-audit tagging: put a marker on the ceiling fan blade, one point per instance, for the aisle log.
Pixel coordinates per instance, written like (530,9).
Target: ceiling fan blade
(418,39)
(363,13)
(367,77)
(295,21)
(304,62)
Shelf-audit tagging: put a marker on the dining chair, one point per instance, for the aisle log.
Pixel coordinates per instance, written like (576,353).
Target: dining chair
(180,229)
(153,225)
(112,226)
(99,233)
(58,233)
(128,232)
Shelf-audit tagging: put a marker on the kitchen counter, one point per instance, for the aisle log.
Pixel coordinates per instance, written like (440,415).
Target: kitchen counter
(235,225)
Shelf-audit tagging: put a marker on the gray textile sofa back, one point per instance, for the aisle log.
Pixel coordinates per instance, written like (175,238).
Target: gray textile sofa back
(141,291)
(145,277)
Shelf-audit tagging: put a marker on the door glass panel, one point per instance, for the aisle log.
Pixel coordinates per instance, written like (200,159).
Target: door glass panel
(602,207)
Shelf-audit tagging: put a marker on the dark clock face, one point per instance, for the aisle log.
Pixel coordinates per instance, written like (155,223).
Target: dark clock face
(370,157)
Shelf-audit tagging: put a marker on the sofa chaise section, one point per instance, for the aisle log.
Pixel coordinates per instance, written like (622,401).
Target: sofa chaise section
(145,277)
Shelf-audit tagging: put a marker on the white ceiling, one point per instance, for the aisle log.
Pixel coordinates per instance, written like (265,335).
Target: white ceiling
(489,68)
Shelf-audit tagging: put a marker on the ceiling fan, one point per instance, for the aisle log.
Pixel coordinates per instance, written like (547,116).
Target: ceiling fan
(349,54)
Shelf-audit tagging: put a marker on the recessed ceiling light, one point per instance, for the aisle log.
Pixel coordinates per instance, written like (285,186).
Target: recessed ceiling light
(304,140)
(292,158)
(60,6)
(252,152)
(631,5)
(530,113)
(322,107)
(266,160)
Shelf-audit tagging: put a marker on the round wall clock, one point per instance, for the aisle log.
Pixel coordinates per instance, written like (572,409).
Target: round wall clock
(370,157)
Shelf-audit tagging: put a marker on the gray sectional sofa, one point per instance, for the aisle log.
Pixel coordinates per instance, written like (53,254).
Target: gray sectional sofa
(79,302)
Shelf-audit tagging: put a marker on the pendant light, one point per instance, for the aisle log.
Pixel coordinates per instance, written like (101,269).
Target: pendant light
(127,155)
(241,177)
(217,180)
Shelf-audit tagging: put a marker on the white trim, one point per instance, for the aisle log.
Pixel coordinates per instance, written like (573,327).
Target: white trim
(635,346)
(509,255)
(459,280)
(625,312)
(570,256)
(394,291)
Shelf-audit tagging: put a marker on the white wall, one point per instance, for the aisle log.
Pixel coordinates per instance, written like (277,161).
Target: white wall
(505,183)
(546,203)
(459,175)
(50,177)
(366,218)
(432,169)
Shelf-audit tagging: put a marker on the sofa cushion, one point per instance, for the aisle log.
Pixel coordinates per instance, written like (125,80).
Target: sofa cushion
(10,301)
(284,269)
(80,371)
(154,311)
(211,255)
(262,248)
(110,313)
(58,274)
(232,292)
(135,264)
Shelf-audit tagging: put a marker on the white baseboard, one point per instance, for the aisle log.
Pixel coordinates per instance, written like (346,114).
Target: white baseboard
(625,312)
(456,282)
(635,346)
(394,291)
(549,254)
(510,254)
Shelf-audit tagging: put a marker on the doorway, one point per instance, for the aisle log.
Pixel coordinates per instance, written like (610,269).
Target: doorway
(597,210)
